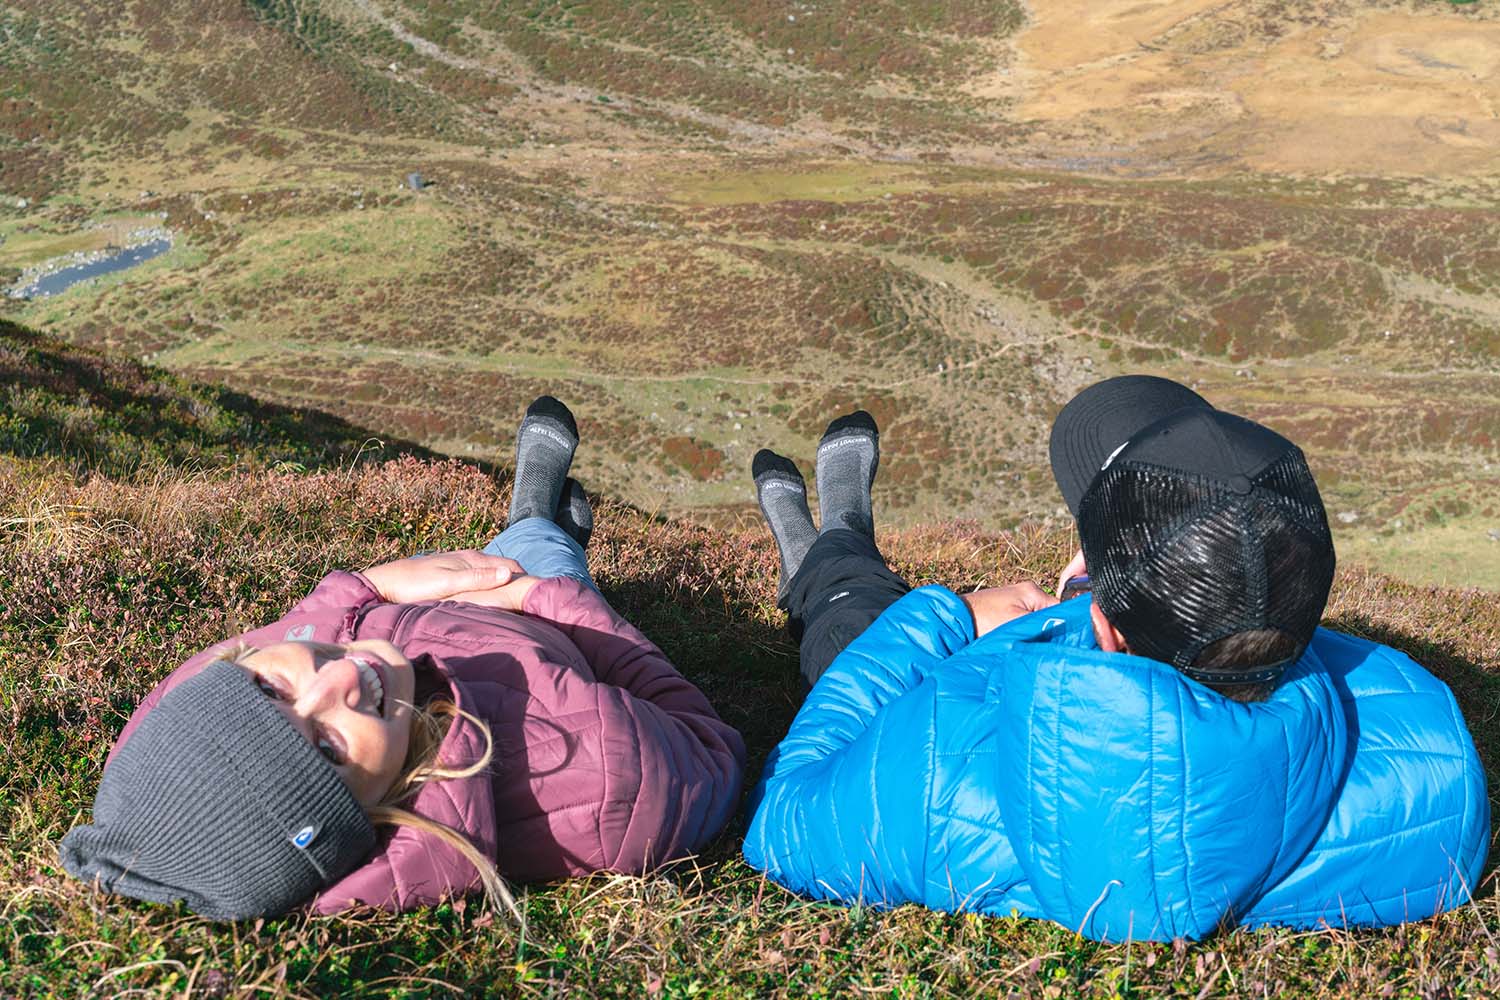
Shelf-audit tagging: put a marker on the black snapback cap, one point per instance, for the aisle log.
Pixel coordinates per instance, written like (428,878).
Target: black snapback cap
(1196,524)
(1102,418)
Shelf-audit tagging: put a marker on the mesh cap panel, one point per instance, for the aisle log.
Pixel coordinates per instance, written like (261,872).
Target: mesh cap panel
(1180,561)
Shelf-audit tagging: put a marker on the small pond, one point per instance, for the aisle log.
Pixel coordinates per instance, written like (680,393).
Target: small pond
(51,280)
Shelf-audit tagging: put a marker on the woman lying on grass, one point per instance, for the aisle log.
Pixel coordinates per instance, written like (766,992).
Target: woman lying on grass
(497,721)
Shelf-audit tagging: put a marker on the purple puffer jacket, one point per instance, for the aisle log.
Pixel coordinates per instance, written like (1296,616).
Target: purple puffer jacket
(606,758)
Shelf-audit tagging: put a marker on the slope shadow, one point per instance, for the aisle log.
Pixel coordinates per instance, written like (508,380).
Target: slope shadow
(98,413)
(746,667)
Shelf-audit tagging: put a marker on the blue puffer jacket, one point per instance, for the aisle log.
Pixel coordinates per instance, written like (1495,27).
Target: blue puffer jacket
(1030,772)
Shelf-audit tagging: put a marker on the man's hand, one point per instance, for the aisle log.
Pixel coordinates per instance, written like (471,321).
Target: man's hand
(1076,567)
(994,606)
(442,576)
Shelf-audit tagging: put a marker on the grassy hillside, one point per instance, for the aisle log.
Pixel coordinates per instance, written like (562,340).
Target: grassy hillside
(81,411)
(712,223)
(109,578)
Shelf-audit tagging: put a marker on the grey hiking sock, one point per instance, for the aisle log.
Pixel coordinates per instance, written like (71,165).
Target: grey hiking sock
(574,515)
(848,456)
(782,495)
(544,450)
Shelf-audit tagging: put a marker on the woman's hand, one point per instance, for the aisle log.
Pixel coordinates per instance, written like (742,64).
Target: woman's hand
(510,597)
(994,606)
(443,576)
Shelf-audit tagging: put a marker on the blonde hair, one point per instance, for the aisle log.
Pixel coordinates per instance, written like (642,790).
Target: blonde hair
(429,725)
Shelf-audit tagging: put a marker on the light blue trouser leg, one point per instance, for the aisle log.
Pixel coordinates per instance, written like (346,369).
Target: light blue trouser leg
(543,549)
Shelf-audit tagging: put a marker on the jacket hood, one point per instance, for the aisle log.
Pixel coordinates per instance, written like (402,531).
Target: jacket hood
(1141,803)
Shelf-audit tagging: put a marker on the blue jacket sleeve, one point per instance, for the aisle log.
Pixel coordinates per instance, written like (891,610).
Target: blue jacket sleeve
(838,814)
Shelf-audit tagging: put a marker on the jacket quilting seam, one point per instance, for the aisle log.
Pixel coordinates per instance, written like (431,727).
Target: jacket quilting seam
(399,892)
(878,870)
(813,881)
(1057,743)
(1286,796)
(1152,689)
(1463,822)
(1413,752)
(931,787)
(604,795)
(1278,870)
(1364,843)
(1182,823)
(467,812)
(1281,918)
(458,639)
(1030,785)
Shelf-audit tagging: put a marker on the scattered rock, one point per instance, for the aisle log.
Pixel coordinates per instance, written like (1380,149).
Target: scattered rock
(1348,516)
(215,983)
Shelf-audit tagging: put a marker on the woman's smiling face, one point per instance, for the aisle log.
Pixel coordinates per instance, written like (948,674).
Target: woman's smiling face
(351,701)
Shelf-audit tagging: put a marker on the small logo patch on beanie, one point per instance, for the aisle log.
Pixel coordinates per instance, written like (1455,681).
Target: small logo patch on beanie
(305,836)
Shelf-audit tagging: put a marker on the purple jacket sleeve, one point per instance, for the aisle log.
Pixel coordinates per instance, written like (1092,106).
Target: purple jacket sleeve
(324,615)
(675,767)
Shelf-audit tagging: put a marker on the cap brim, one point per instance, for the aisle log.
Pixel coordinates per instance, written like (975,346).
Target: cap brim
(1101,418)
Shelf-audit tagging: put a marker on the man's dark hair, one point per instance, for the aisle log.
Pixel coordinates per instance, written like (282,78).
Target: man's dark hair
(1242,651)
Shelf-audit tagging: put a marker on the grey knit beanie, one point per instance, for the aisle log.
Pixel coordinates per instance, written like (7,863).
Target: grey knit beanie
(217,800)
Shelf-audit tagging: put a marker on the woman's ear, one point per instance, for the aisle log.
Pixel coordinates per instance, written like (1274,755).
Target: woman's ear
(1109,638)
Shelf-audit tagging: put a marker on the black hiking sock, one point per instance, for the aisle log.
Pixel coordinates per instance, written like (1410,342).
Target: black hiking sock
(544,450)
(574,515)
(848,456)
(782,494)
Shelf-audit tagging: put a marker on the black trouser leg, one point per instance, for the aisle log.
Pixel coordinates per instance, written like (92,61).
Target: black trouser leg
(841,587)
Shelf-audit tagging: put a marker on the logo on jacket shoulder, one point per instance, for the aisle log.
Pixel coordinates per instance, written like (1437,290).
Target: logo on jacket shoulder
(301,633)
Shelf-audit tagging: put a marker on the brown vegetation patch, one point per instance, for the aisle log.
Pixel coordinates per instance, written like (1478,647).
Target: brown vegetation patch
(698,459)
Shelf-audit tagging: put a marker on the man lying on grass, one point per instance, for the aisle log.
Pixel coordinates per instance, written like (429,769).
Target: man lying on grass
(1179,750)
